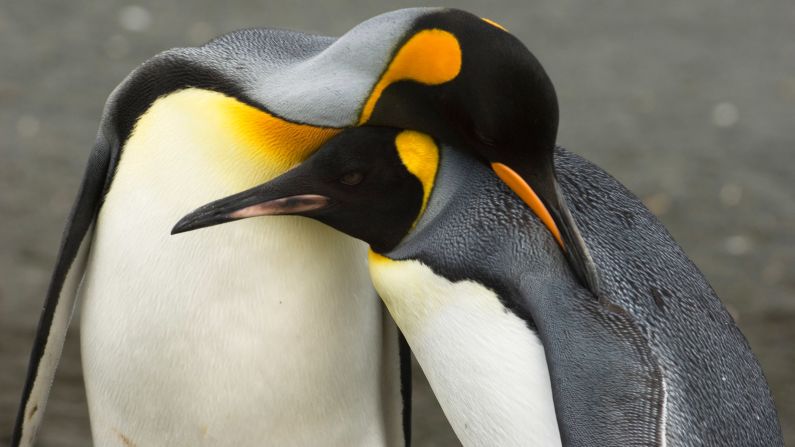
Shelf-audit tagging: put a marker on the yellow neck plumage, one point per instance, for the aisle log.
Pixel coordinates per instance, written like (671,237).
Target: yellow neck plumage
(420,156)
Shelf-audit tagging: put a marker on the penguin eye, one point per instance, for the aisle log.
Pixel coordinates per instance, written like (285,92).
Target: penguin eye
(352,178)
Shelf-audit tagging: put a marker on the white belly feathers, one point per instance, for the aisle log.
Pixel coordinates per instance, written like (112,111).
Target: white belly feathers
(261,332)
(486,367)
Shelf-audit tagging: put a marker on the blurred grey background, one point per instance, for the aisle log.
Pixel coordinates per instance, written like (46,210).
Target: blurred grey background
(690,104)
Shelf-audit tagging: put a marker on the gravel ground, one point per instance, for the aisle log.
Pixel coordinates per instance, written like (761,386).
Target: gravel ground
(690,104)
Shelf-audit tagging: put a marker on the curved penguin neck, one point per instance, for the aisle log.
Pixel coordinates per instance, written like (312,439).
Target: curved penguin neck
(478,229)
(455,169)
(485,365)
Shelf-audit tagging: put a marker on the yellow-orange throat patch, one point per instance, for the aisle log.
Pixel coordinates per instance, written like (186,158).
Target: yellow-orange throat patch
(526,193)
(284,143)
(430,57)
(420,156)
(236,137)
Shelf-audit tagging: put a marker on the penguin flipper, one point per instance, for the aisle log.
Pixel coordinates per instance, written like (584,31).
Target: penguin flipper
(643,270)
(61,296)
(598,358)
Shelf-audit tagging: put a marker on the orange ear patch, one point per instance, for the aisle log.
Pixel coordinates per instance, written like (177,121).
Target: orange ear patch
(526,193)
(430,57)
(420,156)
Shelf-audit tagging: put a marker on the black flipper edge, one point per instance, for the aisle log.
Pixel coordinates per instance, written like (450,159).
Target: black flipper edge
(405,385)
(61,297)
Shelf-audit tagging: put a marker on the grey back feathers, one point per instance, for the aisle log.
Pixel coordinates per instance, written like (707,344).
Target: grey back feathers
(715,388)
(299,77)
(656,360)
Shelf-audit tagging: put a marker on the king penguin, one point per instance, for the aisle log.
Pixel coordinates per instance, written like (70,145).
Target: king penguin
(461,78)
(186,341)
(518,350)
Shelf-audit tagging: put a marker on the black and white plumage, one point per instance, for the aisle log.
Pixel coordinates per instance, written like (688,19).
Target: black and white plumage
(516,347)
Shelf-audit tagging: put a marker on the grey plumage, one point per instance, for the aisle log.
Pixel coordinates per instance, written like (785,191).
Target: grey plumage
(655,359)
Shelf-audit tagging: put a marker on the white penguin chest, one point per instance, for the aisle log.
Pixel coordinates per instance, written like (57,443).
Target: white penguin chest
(486,367)
(261,332)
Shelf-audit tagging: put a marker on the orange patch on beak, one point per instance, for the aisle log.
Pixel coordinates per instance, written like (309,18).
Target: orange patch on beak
(526,193)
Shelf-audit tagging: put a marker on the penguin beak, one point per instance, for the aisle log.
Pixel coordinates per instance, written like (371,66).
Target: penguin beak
(269,199)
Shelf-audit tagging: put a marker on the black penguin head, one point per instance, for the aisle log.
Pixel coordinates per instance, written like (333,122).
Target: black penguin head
(369,182)
(496,99)
(474,86)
